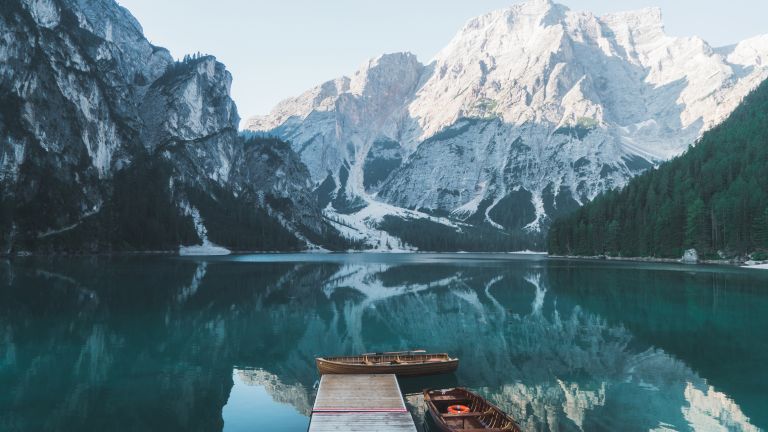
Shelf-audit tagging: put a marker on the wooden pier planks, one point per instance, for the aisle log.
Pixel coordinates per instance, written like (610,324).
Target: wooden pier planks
(354,403)
(362,422)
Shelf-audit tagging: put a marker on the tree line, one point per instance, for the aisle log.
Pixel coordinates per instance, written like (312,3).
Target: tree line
(713,198)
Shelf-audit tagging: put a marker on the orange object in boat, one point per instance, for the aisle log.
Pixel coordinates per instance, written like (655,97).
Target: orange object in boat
(458,409)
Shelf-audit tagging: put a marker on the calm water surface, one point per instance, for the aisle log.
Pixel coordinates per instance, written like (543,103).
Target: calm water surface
(167,344)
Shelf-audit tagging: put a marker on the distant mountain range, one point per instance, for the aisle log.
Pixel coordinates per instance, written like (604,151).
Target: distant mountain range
(530,112)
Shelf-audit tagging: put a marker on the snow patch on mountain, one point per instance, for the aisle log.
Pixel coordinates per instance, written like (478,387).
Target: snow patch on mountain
(206,248)
(533,107)
(363,225)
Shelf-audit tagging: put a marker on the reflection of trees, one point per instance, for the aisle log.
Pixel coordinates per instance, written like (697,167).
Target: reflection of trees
(713,318)
(88,349)
(140,342)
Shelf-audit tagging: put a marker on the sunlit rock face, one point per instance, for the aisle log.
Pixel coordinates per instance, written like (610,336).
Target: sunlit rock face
(184,105)
(369,104)
(559,104)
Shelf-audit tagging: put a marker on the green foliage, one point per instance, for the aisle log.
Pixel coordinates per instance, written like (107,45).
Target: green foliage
(695,223)
(760,230)
(6,225)
(486,109)
(613,236)
(324,192)
(342,201)
(582,128)
(181,68)
(429,236)
(377,170)
(514,211)
(454,131)
(714,197)
(382,160)
(140,211)
(559,204)
(587,122)
(239,226)
(141,214)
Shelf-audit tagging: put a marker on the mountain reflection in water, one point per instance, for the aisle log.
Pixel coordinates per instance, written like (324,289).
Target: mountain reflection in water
(175,344)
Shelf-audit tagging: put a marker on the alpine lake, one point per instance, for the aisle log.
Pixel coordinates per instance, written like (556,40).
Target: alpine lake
(149,343)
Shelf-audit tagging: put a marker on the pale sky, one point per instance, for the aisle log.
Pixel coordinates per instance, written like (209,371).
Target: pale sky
(280,48)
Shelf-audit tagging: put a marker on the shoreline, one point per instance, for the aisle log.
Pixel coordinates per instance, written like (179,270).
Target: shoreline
(731,262)
(724,262)
(177,253)
(134,253)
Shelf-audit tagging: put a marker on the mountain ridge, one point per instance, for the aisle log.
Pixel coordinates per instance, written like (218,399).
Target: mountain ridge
(527,114)
(533,99)
(109,145)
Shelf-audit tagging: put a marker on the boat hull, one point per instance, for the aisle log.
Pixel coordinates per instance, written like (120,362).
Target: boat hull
(408,369)
(480,415)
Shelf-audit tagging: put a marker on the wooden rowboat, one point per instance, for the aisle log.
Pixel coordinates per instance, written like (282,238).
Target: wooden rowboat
(405,363)
(459,409)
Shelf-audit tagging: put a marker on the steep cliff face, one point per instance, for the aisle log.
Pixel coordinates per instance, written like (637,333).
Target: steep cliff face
(341,120)
(534,110)
(108,144)
(69,88)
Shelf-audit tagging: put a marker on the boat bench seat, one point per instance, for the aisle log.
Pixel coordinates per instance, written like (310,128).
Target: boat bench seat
(469,414)
(447,398)
(485,430)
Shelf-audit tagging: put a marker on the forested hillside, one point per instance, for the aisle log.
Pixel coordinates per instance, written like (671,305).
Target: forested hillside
(714,198)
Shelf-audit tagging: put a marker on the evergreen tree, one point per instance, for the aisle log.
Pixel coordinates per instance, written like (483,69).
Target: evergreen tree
(695,229)
(612,246)
(760,230)
(712,198)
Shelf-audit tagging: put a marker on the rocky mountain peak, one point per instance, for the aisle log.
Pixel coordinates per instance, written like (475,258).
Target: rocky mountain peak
(546,12)
(386,72)
(527,112)
(639,20)
(753,51)
(189,102)
(528,15)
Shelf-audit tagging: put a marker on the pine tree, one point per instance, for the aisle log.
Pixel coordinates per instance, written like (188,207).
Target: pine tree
(695,236)
(612,238)
(760,230)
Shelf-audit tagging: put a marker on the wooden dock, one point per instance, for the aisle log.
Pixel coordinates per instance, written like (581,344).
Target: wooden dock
(364,403)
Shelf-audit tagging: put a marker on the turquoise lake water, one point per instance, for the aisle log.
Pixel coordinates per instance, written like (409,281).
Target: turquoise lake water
(182,344)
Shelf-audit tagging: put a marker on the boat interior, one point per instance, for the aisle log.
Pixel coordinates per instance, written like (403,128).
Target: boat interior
(480,416)
(391,359)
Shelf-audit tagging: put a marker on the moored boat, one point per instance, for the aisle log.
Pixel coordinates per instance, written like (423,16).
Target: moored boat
(459,409)
(405,363)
